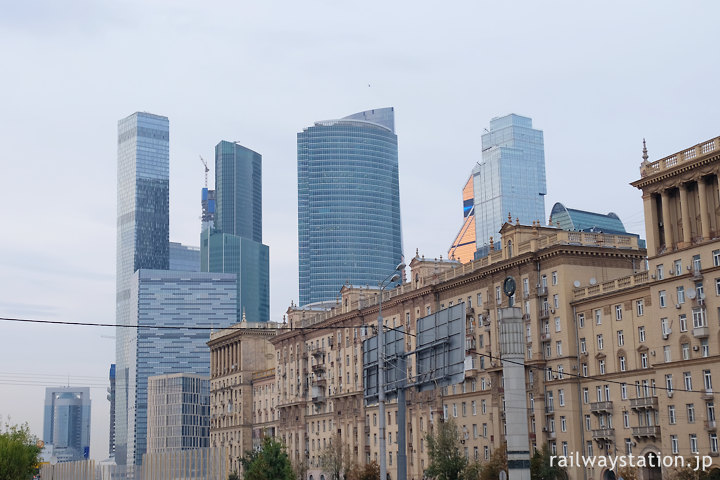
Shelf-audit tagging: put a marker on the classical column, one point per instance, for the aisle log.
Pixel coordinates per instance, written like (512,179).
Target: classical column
(667,225)
(651,224)
(704,217)
(685,211)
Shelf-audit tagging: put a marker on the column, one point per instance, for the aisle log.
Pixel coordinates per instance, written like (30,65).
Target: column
(685,211)
(704,216)
(667,223)
(651,224)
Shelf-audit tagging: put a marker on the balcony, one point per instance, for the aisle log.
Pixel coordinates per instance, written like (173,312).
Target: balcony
(552,435)
(318,367)
(319,382)
(541,291)
(711,425)
(549,410)
(697,274)
(545,337)
(606,434)
(601,407)
(648,431)
(318,397)
(544,313)
(701,332)
(644,403)
(316,351)
(707,394)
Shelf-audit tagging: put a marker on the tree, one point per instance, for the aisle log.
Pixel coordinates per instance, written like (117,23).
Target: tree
(541,469)
(19,452)
(371,471)
(498,462)
(336,460)
(233,476)
(446,461)
(271,462)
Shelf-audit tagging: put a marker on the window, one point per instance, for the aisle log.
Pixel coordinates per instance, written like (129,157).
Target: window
(690,407)
(660,272)
(498,295)
(464,409)
(628,446)
(586,395)
(666,354)
(601,366)
(674,446)
(713,443)
(483,408)
(558,348)
(600,342)
(664,327)
(584,370)
(716,258)
(640,307)
(560,372)
(563,424)
(644,360)
(677,267)
(588,425)
(554,278)
(717,286)
(707,380)
(598,317)
(598,393)
(710,406)
(556,301)
(626,419)
(623,363)
(581,320)
(620,338)
(473,406)
(683,322)
(543,281)
(618,312)
(526,286)
(623,391)
(454,409)
(561,397)
(685,347)
(661,294)
(583,345)
(479,300)
(680,294)
(669,383)
(693,443)
(705,347)
(484,430)
(699,319)
(557,324)
(641,334)
(697,266)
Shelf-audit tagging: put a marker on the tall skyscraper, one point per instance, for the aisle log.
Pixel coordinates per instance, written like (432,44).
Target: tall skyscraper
(111,399)
(67,422)
(184,258)
(238,186)
(464,246)
(231,242)
(143,225)
(510,178)
(348,203)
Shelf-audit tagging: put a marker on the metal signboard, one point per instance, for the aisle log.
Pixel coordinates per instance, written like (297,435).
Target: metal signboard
(441,348)
(370,369)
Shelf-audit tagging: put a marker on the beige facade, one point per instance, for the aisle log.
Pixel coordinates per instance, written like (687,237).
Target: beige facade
(620,356)
(236,354)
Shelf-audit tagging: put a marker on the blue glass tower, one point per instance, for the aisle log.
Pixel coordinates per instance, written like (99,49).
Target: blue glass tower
(67,422)
(510,178)
(348,203)
(143,223)
(234,244)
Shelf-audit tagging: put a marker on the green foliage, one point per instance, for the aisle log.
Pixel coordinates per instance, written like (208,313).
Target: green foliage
(334,460)
(19,453)
(233,476)
(540,468)
(473,471)
(628,473)
(492,468)
(271,462)
(446,461)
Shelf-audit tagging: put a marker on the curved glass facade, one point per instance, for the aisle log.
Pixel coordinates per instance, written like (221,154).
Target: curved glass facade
(348,204)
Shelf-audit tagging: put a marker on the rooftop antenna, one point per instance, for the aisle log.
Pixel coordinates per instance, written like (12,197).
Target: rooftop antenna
(206,170)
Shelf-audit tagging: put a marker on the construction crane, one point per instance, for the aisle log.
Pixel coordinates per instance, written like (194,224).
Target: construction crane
(206,170)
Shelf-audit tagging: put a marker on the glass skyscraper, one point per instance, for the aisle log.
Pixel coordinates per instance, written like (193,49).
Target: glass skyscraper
(234,243)
(143,223)
(510,178)
(348,203)
(67,422)
(238,190)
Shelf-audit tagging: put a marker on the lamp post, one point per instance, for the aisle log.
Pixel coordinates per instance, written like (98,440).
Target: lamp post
(381,367)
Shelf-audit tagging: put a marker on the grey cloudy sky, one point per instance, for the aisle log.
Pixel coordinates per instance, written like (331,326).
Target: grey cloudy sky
(596,77)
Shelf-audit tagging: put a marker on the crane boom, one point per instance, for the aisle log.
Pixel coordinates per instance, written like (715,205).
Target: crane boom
(206,170)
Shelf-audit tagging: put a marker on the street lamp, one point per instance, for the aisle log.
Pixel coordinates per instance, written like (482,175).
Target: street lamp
(381,366)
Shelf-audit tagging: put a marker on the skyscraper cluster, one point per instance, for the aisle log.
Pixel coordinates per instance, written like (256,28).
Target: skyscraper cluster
(66,428)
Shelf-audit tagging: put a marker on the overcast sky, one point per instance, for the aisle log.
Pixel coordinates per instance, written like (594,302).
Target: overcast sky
(596,79)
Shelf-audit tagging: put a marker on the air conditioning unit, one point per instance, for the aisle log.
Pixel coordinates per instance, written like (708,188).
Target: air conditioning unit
(544,429)
(652,275)
(665,336)
(695,348)
(670,393)
(677,305)
(601,446)
(552,310)
(671,272)
(689,268)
